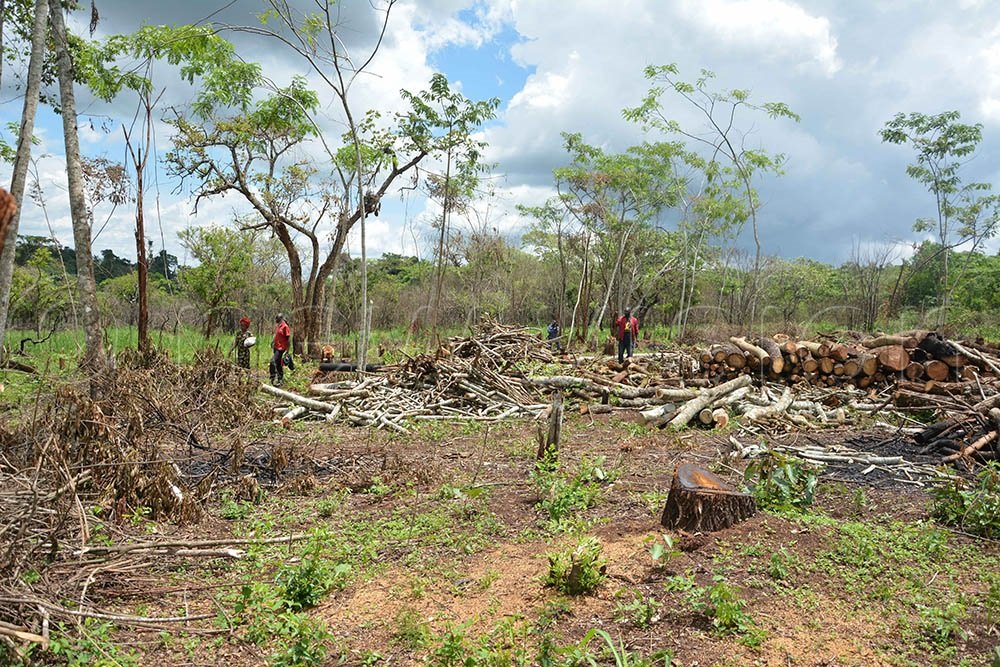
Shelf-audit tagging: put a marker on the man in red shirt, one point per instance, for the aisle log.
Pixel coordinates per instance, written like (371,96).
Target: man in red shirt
(626,331)
(282,338)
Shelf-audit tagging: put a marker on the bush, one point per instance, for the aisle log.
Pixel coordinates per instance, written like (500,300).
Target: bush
(782,482)
(973,506)
(577,570)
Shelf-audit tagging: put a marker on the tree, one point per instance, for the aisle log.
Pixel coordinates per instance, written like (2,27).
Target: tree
(316,37)
(224,258)
(23,155)
(943,146)
(93,357)
(728,161)
(258,155)
(617,197)
(448,120)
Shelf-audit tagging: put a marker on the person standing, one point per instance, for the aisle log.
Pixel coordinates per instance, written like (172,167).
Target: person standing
(279,347)
(554,331)
(240,344)
(626,331)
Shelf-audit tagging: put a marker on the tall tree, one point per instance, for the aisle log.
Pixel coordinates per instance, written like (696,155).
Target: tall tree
(22,159)
(943,146)
(316,37)
(725,145)
(259,155)
(452,120)
(93,357)
(225,258)
(618,197)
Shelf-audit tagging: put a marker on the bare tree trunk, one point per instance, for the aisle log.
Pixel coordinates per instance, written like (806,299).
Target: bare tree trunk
(23,157)
(94,353)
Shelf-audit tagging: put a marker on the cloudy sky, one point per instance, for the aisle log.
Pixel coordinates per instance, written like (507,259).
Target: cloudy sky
(844,67)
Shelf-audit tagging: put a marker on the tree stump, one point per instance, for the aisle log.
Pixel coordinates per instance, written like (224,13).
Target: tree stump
(700,501)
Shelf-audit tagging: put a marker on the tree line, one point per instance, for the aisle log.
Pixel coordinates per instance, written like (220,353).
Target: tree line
(653,226)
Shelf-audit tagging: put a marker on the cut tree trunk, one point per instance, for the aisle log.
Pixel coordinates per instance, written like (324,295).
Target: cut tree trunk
(936,370)
(761,355)
(700,501)
(774,352)
(893,357)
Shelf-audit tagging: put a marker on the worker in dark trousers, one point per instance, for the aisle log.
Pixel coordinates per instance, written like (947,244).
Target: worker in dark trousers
(626,331)
(279,347)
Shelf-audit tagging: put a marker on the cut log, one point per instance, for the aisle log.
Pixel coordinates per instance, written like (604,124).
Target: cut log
(817,350)
(826,365)
(659,415)
(936,370)
(705,416)
(893,357)
(722,351)
(751,349)
(317,406)
(883,341)
(548,441)
(810,365)
(721,417)
(737,360)
(869,364)
(852,368)
(774,352)
(700,501)
(915,370)
(840,352)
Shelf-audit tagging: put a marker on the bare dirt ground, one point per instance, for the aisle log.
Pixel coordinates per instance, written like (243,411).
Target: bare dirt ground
(442,549)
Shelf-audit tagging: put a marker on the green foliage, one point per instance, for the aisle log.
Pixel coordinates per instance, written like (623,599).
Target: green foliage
(942,625)
(581,654)
(662,550)
(781,564)
(411,630)
(90,645)
(641,611)
(577,569)
(781,482)
(224,257)
(972,506)
(562,495)
(304,584)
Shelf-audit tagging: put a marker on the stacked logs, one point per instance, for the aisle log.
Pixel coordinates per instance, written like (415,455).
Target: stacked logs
(970,434)
(915,357)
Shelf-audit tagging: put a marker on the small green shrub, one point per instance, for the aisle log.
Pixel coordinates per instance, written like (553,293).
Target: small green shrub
(973,506)
(304,642)
(640,611)
(781,482)
(578,569)
(563,495)
(411,631)
(943,625)
(662,550)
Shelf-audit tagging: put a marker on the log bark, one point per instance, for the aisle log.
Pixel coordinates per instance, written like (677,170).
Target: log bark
(817,350)
(761,355)
(700,501)
(883,341)
(312,404)
(548,443)
(704,399)
(774,352)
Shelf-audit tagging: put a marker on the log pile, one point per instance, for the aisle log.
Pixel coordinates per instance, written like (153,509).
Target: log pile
(915,357)
(968,433)
(771,385)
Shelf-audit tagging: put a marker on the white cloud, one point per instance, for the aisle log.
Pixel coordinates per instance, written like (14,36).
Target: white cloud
(774,29)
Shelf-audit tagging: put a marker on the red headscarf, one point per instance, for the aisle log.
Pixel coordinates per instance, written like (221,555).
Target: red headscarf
(245,322)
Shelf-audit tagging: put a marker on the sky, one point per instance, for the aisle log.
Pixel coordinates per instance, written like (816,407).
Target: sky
(844,67)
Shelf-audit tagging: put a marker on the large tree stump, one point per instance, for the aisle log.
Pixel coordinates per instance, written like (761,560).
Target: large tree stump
(700,501)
